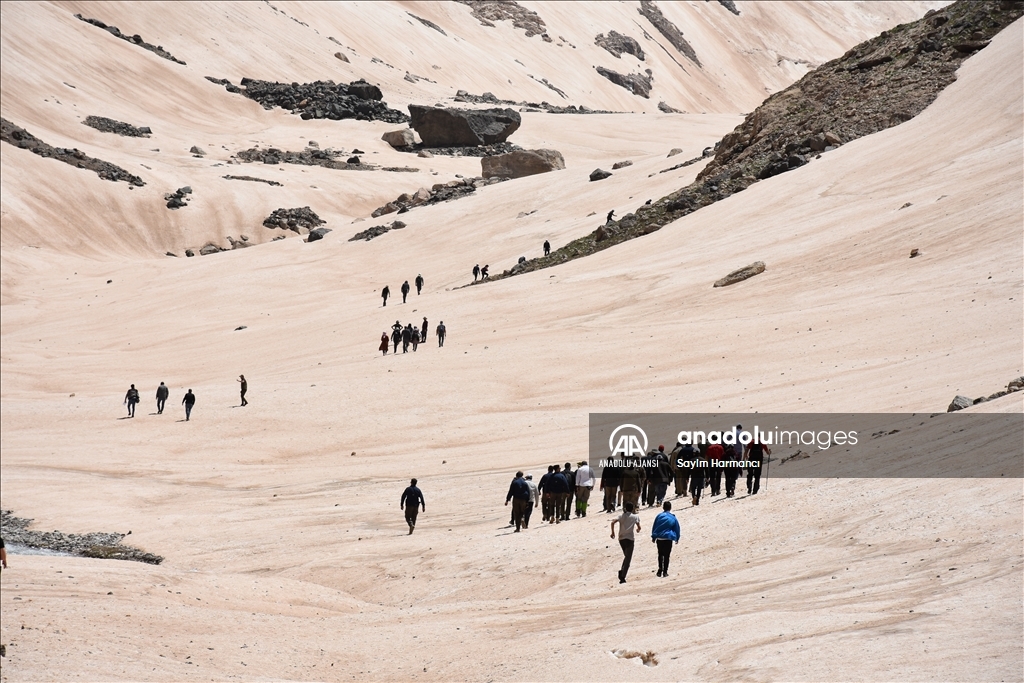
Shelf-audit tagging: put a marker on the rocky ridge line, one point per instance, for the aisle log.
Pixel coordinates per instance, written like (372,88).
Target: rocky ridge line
(488,11)
(134,39)
(653,14)
(489,98)
(19,137)
(96,545)
(880,83)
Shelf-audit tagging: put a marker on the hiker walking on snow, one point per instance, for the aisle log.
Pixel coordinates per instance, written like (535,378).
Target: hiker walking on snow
(629,523)
(405,290)
(419,284)
(385,293)
(130,399)
(162,392)
(665,532)
(188,402)
(412,499)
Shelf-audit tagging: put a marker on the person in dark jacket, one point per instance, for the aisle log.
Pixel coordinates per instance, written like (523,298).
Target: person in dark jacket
(424,328)
(756,452)
(476,272)
(415,336)
(419,284)
(406,337)
(188,402)
(559,486)
(547,496)
(243,388)
(519,494)
(632,485)
(384,343)
(441,332)
(681,474)
(732,473)
(385,293)
(412,499)
(663,475)
(570,478)
(611,477)
(405,290)
(162,393)
(716,454)
(664,533)
(396,335)
(130,399)
(547,247)
(697,483)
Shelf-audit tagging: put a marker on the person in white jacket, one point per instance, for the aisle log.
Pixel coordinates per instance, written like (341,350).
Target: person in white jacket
(584,485)
(534,501)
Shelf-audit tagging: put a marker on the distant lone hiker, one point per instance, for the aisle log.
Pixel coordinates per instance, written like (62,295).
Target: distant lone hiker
(130,399)
(419,284)
(385,293)
(383,348)
(412,499)
(242,389)
(424,329)
(162,392)
(405,290)
(547,247)
(440,334)
(188,402)
(476,272)
(611,214)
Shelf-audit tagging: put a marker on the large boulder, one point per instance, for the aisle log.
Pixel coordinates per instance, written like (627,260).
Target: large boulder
(522,162)
(400,139)
(364,90)
(599,174)
(317,234)
(447,127)
(959,403)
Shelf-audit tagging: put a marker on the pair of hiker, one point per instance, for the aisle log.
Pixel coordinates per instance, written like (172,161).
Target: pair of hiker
(664,533)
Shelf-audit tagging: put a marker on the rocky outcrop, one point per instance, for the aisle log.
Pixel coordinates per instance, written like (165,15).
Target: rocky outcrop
(755,268)
(489,98)
(319,100)
(328,158)
(635,83)
(599,174)
(376,231)
(489,11)
(252,179)
(96,545)
(666,28)
(522,163)
(19,137)
(616,43)
(301,220)
(428,23)
(664,107)
(729,5)
(178,198)
(111,126)
(133,39)
(400,139)
(448,127)
(440,192)
(621,164)
(961,402)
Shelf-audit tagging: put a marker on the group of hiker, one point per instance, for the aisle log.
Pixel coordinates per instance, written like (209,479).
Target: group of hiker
(386,292)
(410,335)
(554,494)
(163,392)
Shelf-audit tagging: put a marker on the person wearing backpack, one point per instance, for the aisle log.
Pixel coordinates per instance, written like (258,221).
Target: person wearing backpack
(130,399)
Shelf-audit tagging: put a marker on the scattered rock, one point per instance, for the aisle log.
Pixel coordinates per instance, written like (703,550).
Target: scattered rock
(317,234)
(311,156)
(400,138)
(100,545)
(428,23)
(341,57)
(522,163)
(189,253)
(914,253)
(176,199)
(648,658)
(424,154)
(134,39)
(489,98)
(448,127)
(21,138)
(301,220)
(111,126)
(198,151)
(599,174)
(376,231)
(635,83)
(210,248)
(616,43)
(959,403)
(621,164)
(742,274)
(674,151)
(168,253)
(440,192)
(662,106)
(729,5)
(241,327)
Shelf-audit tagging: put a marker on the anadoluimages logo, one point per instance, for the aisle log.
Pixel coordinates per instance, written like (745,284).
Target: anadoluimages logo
(628,443)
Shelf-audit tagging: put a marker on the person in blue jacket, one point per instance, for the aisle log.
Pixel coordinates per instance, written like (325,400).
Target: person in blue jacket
(665,532)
